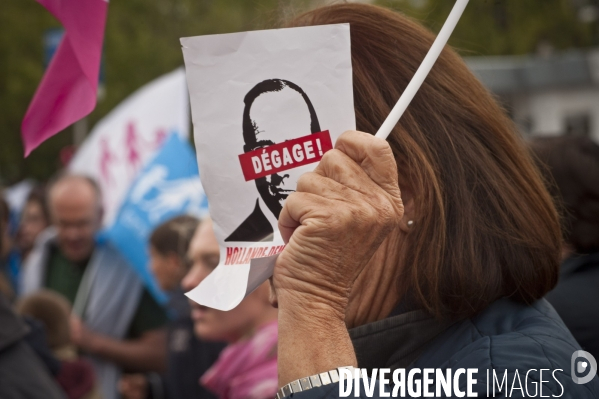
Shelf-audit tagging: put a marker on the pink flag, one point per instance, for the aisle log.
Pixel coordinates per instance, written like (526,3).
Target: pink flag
(68,89)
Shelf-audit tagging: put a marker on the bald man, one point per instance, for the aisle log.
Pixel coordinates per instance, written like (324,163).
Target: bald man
(116,321)
(275,111)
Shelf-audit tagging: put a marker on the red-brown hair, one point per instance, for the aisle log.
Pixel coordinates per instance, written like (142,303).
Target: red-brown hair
(485,227)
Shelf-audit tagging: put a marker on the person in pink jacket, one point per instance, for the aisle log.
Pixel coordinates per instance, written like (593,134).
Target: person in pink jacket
(247,367)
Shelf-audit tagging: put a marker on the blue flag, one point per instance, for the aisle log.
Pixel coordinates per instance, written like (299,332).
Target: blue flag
(168,186)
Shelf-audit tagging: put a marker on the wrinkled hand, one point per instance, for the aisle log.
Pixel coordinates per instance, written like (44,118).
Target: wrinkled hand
(335,221)
(133,386)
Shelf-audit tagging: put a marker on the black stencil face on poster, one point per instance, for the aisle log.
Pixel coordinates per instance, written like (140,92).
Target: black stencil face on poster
(263,123)
(266,106)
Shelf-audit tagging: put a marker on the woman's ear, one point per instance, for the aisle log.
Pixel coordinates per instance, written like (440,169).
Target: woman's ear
(272,294)
(266,292)
(407,196)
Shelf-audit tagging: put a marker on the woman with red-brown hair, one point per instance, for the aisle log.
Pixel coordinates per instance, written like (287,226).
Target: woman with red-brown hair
(431,250)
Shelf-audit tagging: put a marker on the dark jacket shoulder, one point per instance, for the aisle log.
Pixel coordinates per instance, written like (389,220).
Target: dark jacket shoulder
(504,342)
(512,339)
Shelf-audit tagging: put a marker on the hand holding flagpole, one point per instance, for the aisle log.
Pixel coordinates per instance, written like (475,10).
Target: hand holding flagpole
(423,70)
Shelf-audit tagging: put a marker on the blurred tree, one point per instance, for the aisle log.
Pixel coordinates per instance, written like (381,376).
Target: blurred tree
(141,43)
(22,25)
(502,27)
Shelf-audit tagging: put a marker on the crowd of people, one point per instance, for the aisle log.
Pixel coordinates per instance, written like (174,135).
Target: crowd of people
(439,248)
(97,332)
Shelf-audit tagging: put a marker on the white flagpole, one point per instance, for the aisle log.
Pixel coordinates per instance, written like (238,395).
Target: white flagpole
(423,70)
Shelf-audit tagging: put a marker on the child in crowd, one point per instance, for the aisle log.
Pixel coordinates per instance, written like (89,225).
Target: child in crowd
(75,375)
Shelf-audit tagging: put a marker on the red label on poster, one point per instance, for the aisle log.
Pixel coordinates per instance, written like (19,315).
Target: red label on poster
(286,155)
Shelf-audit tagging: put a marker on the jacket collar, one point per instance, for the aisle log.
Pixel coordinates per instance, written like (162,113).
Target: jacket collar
(397,341)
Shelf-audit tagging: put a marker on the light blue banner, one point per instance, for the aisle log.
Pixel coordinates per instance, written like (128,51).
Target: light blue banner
(167,187)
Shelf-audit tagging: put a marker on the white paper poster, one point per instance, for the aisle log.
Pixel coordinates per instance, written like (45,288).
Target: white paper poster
(130,135)
(266,105)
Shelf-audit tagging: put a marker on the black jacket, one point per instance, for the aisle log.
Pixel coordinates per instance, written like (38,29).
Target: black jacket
(22,373)
(576,299)
(188,357)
